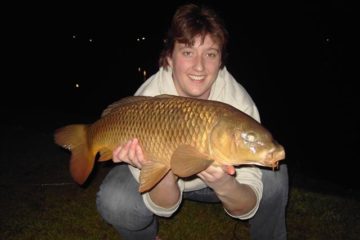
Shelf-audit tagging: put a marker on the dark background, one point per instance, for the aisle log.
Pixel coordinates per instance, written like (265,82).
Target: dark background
(297,60)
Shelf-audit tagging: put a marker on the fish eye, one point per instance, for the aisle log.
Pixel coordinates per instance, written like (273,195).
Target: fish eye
(249,137)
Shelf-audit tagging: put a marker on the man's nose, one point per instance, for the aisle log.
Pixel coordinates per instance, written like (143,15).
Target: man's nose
(199,63)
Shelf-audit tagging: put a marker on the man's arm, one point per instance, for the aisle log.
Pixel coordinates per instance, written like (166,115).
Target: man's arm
(166,193)
(238,199)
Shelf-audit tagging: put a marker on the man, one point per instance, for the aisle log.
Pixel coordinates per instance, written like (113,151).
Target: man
(192,64)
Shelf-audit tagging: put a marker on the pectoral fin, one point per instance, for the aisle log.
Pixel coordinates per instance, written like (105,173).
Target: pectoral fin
(187,161)
(150,174)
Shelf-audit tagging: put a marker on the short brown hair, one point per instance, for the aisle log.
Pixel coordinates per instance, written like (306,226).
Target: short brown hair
(189,21)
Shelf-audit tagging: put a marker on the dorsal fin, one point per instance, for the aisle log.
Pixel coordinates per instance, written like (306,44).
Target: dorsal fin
(130,99)
(125,100)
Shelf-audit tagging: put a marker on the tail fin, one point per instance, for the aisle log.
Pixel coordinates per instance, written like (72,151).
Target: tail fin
(74,138)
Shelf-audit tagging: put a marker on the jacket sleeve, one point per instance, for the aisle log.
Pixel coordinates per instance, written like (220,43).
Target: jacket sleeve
(160,211)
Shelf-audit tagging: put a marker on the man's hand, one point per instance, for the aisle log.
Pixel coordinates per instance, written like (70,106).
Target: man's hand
(130,153)
(216,176)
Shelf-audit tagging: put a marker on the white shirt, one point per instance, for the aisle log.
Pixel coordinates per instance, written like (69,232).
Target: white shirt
(225,89)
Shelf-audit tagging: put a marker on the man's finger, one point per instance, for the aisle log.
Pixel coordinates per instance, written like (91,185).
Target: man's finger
(229,169)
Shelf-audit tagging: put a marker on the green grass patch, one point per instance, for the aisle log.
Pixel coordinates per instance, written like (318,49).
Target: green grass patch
(55,212)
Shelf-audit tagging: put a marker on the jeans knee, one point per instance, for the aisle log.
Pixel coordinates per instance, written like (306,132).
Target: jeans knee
(276,184)
(121,212)
(108,209)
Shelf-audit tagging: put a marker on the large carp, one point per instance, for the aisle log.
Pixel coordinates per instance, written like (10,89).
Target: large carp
(181,134)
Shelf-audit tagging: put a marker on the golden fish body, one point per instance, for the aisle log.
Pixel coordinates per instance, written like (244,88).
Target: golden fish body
(183,134)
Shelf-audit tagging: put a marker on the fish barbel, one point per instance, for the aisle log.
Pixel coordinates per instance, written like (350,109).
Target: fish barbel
(181,134)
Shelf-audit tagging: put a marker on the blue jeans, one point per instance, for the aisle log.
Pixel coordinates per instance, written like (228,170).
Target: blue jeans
(120,204)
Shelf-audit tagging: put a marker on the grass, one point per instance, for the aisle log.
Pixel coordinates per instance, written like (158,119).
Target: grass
(69,212)
(40,201)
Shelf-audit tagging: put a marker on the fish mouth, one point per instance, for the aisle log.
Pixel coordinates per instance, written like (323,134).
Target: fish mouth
(273,157)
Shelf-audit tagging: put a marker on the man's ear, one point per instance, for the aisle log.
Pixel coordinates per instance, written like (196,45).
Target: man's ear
(169,61)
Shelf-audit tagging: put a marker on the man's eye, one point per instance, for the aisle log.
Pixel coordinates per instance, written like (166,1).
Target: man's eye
(187,53)
(212,55)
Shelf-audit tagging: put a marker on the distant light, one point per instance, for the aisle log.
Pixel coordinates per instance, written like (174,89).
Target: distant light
(73,36)
(141,39)
(139,69)
(77,85)
(91,40)
(144,75)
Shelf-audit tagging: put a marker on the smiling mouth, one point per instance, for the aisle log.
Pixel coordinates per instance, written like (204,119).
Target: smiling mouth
(197,77)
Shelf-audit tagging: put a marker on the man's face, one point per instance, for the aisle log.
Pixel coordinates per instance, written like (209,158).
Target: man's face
(195,68)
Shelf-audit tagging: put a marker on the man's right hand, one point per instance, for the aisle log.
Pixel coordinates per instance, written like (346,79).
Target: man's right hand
(130,153)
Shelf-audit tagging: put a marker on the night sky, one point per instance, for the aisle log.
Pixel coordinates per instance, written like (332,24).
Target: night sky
(297,60)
